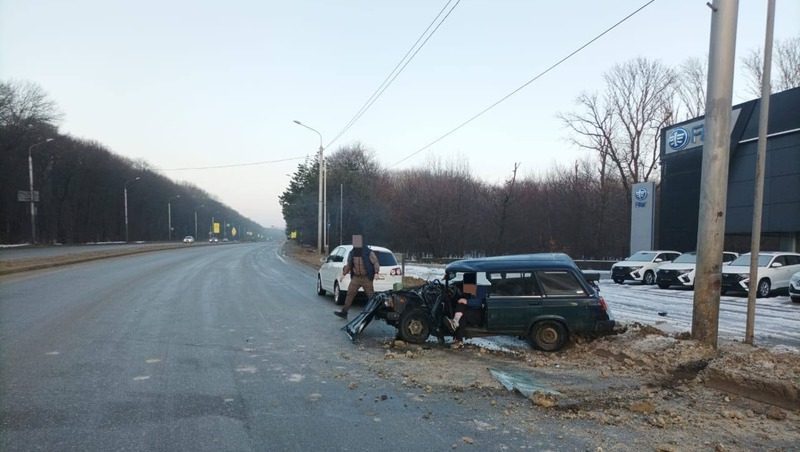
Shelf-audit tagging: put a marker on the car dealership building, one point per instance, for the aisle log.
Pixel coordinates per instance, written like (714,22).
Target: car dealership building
(681,167)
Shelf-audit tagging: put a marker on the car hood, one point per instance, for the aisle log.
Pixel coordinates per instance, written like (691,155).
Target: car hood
(678,266)
(738,269)
(359,322)
(630,264)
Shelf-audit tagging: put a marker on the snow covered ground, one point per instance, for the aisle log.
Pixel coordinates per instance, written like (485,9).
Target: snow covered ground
(777,318)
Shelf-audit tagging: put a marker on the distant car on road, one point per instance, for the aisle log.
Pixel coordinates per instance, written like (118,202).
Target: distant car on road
(213,240)
(794,287)
(188,239)
(775,269)
(641,266)
(680,272)
(331,270)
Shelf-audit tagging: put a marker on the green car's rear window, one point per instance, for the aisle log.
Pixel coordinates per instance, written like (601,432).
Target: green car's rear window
(560,283)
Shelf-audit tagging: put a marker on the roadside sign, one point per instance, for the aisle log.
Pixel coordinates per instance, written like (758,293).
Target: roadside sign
(293,235)
(25,196)
(233,232)
(216,228)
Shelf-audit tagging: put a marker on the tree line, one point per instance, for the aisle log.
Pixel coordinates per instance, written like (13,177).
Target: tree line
(81,185)
(441,209)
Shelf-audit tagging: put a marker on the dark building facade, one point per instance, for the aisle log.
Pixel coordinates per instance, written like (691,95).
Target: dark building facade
(681,167)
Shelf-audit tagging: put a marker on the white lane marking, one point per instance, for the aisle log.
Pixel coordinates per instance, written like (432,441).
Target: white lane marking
(53,353)
(280,258)
(152,360)
(228,400)
(314,397)
(247,369)
(141,377)
(296,378)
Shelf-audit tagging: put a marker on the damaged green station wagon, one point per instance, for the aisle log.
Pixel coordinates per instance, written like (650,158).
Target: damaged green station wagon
(543,297)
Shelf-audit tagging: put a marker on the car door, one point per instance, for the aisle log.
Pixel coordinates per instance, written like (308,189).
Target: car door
(564,297)
(780,275)
(510,298)
(330,269)
(790,267)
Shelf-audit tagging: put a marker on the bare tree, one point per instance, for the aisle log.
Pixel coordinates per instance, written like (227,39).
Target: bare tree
(786,67)
(623,125)
(24,104)
(692,81)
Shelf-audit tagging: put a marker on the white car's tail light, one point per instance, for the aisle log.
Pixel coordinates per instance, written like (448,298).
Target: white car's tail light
(396,272)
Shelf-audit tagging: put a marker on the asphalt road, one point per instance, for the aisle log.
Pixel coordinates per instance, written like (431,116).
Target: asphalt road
(213,348)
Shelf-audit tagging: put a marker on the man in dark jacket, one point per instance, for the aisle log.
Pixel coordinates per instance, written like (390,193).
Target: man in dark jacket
(362,264)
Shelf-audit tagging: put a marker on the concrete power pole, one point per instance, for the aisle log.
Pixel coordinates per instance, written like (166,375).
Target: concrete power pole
(714,179)
(758,193)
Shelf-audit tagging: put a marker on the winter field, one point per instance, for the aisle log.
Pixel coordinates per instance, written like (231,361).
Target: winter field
(777,318)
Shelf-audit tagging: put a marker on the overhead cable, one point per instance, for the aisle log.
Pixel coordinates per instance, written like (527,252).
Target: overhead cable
(524,85)
(233,165)
(399,67)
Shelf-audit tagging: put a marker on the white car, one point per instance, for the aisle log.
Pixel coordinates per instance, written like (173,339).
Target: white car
(794,287)
(188,239)
(775,269)
(680,272)
(328,277)
(641,266)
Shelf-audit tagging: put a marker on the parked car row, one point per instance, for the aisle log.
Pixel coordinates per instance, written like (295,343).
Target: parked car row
(777,271)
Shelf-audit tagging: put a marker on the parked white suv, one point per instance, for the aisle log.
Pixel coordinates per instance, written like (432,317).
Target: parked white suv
(641,266)
(331,270)
(775,269)
(680,272)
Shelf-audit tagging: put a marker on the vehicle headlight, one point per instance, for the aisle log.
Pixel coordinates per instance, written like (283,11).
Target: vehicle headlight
(633,269)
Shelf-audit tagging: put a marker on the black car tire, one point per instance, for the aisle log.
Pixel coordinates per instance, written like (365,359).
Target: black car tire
(320,290)
(548,335)
(414,326)
(338,295)
(663,285)
(764,288)
(649,278)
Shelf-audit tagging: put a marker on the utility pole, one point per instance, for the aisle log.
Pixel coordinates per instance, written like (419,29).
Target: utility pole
(758,191)
(714,178)
(321,183)
(30,186)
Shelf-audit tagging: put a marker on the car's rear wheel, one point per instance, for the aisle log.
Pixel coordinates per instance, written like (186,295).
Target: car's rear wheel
(320,290)
(764,288)
(548,335)
(649,278)
(338,295)
(663,285)
(414,326)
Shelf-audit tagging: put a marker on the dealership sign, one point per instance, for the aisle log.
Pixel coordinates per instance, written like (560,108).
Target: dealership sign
(691,135)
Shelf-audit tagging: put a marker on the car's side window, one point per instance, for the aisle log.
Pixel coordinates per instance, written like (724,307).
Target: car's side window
(781,259)
(663,256)
(517,284)
(673,256)
(792,260)
(560,283)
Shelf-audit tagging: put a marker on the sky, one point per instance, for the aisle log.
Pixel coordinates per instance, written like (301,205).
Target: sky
(199,83)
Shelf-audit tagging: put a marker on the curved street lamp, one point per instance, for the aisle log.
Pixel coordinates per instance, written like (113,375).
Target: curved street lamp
(30,186)
(125,195)
(322,183)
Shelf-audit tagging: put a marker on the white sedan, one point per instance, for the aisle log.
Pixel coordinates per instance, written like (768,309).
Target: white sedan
(329,277)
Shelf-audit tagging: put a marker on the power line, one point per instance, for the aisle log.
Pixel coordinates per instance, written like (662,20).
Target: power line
(524,85)
(233,165)
(395,72)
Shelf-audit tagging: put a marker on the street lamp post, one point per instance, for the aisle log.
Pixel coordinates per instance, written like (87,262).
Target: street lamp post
(125,192)
(195,219)
(169,216)
(30,186)
(321,186)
